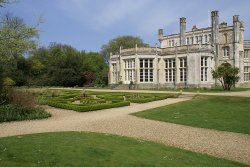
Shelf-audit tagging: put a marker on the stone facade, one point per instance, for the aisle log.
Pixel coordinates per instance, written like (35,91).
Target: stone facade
(185,59)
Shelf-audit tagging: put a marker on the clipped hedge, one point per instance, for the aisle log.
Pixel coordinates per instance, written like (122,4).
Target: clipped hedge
(89,107)
(150,99)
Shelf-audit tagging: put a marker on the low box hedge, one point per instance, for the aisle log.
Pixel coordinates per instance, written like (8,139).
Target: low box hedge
(89,107)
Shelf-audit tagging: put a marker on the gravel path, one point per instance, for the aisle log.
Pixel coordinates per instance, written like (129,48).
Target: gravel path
(232,146)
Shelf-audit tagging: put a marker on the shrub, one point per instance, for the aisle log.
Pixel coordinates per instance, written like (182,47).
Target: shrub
(8,83)
(11,112)
(21,98)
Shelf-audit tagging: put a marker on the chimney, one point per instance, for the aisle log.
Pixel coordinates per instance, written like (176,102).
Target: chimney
(160,34)
(182,31)
(215,27)
(237,39)
(194,28)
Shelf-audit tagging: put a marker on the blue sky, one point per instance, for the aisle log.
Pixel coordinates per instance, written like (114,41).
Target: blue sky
(88,24)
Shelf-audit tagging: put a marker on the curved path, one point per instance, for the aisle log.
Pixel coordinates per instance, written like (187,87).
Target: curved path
(232,146)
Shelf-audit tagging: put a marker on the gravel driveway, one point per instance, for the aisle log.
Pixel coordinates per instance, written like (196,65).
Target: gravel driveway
(232,146)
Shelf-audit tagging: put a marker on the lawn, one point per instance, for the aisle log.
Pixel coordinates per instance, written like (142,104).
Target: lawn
(212,112)
(93,149)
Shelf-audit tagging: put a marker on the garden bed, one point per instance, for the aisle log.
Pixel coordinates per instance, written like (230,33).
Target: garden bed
(83,101)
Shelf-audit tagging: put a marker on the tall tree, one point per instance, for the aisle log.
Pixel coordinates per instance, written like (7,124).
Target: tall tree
(3,2)
(227,75)
(16,37)
(121,41)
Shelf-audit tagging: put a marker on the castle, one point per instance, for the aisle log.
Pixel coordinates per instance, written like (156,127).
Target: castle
(185,59)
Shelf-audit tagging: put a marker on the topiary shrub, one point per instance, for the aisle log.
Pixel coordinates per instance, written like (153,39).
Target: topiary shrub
(8,83)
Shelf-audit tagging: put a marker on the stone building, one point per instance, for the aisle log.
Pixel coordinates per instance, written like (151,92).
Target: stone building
(185,59)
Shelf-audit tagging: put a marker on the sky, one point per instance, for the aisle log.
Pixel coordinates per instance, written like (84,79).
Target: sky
(89,24)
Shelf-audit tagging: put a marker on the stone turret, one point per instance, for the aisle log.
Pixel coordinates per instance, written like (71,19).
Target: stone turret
(215,27)
(236,40)
(236,25)
(160,34)
(182,31)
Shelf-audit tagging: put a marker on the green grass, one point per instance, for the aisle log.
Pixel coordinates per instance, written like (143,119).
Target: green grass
(92,149)
(10,112)
(213,112)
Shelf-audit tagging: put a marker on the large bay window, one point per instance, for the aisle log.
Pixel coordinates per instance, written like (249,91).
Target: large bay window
(146,70)
(246,73)
(204,68)
(170,70)
(114,72)
(129,70)
(246,54)
(183,69)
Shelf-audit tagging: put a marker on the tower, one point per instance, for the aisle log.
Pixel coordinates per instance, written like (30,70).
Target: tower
(182,31)
(215,27)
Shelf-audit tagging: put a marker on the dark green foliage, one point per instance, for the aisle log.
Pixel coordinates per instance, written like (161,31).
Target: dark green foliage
(11,112)
(16,39)
(121,41)
(93,149)
(227,75)
(62,65)
(213,112)
(1,79)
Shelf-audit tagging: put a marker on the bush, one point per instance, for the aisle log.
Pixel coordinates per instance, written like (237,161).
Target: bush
(21,98)
(11,112)
(8,83)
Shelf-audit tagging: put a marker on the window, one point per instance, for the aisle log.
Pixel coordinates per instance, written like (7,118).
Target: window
(197,39)
(204,68)
(170,70)
(246,54)
(246,73)
(129,70)
(114,72)
(209,37)
(226,52)
(192,40)
(171,43)
(206,39)
(187,41)
(183,69)
(146,70)
(200,40)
